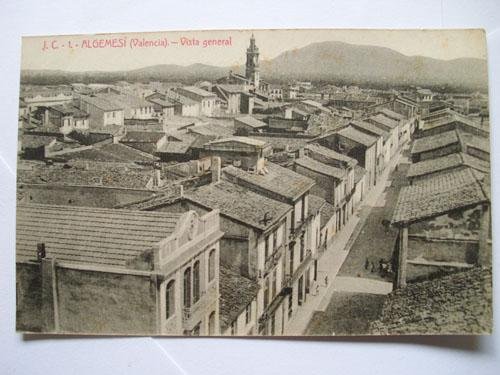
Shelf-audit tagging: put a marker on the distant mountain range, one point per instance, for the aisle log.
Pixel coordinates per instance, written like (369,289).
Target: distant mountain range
(326,61)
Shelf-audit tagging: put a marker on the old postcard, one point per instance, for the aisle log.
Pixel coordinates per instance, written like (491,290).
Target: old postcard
(265,182)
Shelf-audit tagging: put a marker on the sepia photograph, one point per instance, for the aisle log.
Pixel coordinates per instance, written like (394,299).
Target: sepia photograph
(291,182)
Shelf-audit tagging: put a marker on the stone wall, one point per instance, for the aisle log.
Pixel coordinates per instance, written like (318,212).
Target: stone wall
(86,301)
(106,302)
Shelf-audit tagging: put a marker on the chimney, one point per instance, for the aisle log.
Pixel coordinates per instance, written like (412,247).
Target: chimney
(215,168)
(156,175)
(40,251)
(301,152)
(46,117)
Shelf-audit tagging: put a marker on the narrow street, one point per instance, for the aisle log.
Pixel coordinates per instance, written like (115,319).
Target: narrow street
(344,264)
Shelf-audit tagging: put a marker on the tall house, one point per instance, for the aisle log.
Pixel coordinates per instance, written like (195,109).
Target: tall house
(98,270)
(252,70)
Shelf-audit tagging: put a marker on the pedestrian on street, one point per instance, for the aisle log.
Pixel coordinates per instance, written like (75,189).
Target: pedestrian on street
(326,280)
(381,263)
(367,264)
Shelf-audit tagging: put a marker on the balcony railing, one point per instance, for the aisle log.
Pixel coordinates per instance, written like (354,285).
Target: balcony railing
(298,228)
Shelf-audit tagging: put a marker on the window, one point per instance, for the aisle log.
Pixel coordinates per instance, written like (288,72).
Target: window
(248,313)
(266,248)
(113,114)
(211,265)
(291,259)
(170,299)
(187,287)
(211,324)
(275,241)
(273,285)
(303,213)
(302,248)
(300,292)
(308,282)
(290,305)
(234,328)
(196,281)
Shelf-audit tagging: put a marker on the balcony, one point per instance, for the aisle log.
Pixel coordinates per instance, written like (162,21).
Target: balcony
(194,314)
(287,285)
(299,228)
(298,271)
(272,260)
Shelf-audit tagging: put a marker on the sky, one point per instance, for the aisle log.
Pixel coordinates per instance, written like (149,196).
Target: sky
(71,53)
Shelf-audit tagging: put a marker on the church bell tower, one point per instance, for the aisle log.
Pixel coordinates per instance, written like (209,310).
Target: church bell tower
(252,71)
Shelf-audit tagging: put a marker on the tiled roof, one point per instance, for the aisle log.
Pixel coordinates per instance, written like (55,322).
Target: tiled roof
(35,141)
(443,163)
(251,121)
(234,89)
(133,136)
(384,120)
(200,140)
(88,138)
(433,142)
(282,142)
(147,147)
(175,148)
(278,180)
(112,152)
(197,91)
(321,168)
(434,165)
(69,109)
(357,136)
(451,117)
(94,236)
(162,102)
(315,204)
(212,129)
(184,100)
(391,114)
(369,128)
(476,163)
(236,139)
(474,141)
(331,154)
(438,195)
(125,100)
(109,130)
(299,111)
(239,203)
(460,303)
(236,292)
(111,176)
(102,103)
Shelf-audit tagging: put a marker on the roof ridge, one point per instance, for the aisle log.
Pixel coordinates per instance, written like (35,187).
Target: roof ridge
(98,210)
